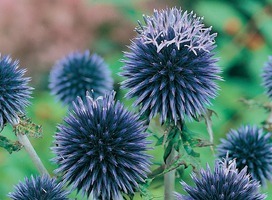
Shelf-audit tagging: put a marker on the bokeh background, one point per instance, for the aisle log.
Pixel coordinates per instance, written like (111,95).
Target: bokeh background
(39,32)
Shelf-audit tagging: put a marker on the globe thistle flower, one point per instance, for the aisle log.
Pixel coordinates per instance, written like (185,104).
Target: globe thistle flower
(170,68)
(251,147)
(44,188)
(14,91)
(224,183)
(267,77)
(101,148)
(77,73)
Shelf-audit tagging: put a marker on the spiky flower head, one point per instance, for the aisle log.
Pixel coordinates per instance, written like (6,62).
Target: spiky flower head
(14,91)
(267,77)
(170,68)
(77,73)
(251,147)
(39,187)
(225,182)
(101,148)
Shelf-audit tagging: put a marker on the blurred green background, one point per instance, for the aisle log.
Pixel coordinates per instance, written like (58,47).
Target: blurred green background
(39,32)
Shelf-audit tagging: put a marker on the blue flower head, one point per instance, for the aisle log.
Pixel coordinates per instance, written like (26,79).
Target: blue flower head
(101,148)
(225,182)
(39,188)
(77,73)
(14,91)
(267,77)
(170,68)
(251,147)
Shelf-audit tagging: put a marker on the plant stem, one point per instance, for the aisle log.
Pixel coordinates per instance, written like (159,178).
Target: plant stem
(23,139)
(268,121)
(207,116)
(169,178)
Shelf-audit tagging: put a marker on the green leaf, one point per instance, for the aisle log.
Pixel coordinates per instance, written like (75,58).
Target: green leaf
(168,150)
(144,191)
(9,145)
(184,160)
(160,141)
(26,126)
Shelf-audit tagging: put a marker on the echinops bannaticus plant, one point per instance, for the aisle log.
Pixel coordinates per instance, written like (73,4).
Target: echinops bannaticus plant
(225,182)
(250,146)
(77,73)
(170,68)
(100,149)
(14,91)
(39,188)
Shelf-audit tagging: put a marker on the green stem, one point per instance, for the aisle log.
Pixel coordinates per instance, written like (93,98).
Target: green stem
(23,139)
(208,122)
(169,178)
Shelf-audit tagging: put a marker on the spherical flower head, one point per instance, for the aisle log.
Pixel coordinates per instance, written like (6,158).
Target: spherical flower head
(267,77)
(170,68)
(77,73)
(14,91)
(39,188)
(101,148)
(225,182)
(251,147)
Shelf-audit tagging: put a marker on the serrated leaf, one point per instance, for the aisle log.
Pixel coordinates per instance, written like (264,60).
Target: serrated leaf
(26,126)
(185,161)
(9,145)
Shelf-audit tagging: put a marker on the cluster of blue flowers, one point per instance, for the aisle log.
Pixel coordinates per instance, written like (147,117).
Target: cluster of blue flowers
(225,182)
(14,91)
(171,68)
(101,146)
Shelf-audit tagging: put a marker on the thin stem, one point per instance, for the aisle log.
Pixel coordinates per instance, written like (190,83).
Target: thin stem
(169,178)
(23,139)
(268,121)
(207,116)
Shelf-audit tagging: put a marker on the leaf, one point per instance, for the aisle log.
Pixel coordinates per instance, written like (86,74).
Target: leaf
(168,150)
(144,191)
(9,145)
(160,141)
(26,126)
(183,160)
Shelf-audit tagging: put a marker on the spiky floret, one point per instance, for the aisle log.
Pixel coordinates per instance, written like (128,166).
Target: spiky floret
(101,148)
(251,147)
(225,182)
(77,73)
(267,77)
(14,91)
(170,67)
(44,188)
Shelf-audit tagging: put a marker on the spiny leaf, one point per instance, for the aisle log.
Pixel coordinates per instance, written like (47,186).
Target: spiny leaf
(26,126)
(9,145)
(184,160)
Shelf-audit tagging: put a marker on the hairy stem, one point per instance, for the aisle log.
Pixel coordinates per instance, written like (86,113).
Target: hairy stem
(23,139)
(169,178)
